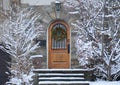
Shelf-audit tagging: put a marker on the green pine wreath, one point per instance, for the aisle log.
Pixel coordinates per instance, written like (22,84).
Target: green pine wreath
(59,34)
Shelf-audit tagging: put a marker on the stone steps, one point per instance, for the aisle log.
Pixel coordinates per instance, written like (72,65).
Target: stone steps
(61,77)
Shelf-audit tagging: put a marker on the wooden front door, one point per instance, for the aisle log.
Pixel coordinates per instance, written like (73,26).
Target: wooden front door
(59,45)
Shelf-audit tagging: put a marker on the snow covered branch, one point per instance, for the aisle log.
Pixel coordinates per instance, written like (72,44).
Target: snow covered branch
(98,24)
(18,34)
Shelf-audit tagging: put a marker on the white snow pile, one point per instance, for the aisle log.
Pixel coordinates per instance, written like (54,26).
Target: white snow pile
(19,81)
(105,83)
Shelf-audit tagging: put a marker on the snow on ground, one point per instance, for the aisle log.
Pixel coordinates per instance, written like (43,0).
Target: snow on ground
(77,82)
(105,83)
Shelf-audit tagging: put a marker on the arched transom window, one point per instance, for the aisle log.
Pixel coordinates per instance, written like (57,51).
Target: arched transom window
(59,36)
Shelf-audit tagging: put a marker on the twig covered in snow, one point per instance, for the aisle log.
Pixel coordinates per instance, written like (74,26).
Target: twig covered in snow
(18,36)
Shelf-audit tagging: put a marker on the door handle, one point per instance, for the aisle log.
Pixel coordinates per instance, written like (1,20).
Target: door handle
(68,48)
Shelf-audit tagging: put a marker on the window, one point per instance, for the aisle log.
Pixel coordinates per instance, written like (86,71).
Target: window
(59,36)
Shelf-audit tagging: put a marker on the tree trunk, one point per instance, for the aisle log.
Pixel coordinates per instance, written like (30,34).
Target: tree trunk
(109,76)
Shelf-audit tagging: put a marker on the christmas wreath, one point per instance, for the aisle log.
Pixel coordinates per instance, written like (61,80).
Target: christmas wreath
(59,34)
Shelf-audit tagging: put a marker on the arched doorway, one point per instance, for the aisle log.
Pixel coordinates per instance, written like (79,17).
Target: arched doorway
(58,45)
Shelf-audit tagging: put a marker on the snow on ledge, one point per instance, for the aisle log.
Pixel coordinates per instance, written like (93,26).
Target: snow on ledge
(63,69)
(57,1)
(64,82)
(37,2)
(36,56)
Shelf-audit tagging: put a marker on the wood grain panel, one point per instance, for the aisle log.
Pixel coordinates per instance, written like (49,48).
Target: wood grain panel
(58,58)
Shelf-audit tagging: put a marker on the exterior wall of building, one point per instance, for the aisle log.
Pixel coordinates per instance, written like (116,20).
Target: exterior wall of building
(48,14)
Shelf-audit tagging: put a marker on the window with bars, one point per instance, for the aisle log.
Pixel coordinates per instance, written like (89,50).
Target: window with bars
(59,36)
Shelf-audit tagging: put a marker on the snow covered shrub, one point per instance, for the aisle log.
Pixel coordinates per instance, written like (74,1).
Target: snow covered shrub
(18,34)
(84,53)
(98,39)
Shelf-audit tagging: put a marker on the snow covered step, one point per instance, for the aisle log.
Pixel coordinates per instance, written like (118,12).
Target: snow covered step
(61,76)
(63,83)
(61,79)
(59,70)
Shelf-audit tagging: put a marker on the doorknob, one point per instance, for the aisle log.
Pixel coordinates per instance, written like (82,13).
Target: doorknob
(68,48)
